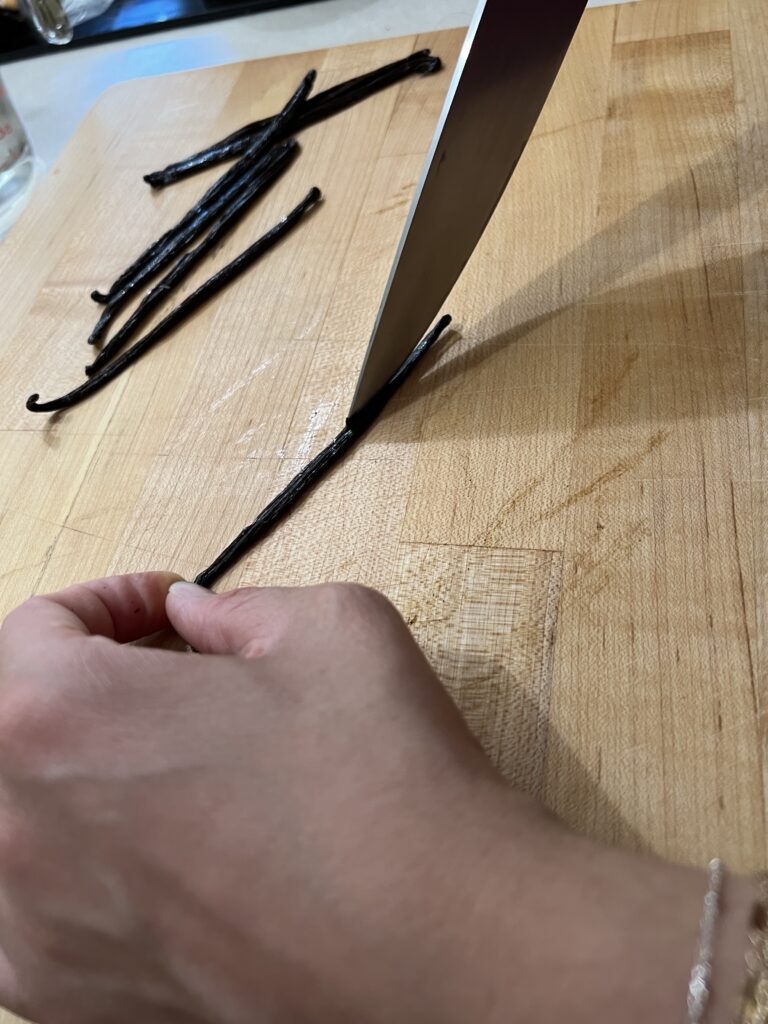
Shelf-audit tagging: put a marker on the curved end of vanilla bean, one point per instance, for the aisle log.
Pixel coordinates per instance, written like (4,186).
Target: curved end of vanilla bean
(33,405)
(155,179)
(98,296)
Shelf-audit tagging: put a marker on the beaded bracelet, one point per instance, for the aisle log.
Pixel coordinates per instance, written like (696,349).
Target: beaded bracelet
(701,975)
(754,1004)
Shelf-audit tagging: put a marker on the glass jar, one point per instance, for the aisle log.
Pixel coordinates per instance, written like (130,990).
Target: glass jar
(17,164)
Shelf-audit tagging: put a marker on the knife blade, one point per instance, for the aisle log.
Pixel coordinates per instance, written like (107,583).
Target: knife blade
(508,64)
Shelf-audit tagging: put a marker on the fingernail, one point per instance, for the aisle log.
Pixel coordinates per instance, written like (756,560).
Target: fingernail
(188,590)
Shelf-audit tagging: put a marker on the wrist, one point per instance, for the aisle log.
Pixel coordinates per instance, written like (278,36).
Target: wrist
(562,929)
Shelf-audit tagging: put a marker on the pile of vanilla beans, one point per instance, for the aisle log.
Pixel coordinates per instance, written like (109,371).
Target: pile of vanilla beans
(263,150)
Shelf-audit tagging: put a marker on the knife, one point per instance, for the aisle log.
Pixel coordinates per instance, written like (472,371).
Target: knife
(508,64)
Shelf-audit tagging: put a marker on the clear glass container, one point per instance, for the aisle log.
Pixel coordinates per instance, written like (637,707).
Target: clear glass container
(54,20)
(17,163)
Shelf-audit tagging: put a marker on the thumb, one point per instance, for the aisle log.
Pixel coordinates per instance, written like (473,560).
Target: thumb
(243,622)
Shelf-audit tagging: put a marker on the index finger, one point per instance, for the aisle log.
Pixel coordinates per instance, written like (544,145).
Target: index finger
(122,608)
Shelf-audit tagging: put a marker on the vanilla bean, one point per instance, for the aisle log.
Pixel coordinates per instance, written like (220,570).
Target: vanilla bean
(318,108)
(192,302)
(174,277)
(258,178)
(313,471)
(253,157)
(254,152)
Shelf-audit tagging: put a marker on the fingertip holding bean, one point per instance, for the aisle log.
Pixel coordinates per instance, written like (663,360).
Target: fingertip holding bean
(184,590)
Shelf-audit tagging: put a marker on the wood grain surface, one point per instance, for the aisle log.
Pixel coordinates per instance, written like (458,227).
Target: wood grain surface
(568,504)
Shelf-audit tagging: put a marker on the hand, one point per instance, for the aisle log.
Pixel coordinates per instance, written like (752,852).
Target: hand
(246,834)
(293,825)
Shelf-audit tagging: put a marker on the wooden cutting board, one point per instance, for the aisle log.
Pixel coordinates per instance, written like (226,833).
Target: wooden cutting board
(568,504)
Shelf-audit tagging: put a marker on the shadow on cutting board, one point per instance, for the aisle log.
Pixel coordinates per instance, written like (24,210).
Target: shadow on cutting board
(664,324)
(526,743)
